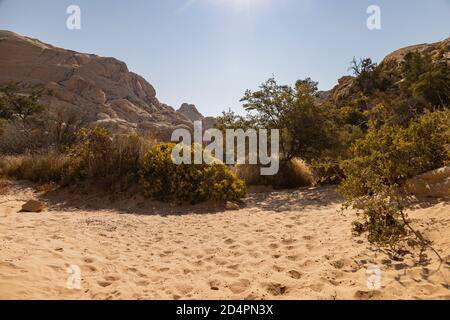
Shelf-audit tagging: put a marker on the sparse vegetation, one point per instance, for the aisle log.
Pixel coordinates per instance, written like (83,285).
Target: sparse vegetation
(392,124)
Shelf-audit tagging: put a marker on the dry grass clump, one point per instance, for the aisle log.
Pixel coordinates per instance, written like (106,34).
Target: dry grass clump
(292,174)
(4,187)
(40,168)
(97,157)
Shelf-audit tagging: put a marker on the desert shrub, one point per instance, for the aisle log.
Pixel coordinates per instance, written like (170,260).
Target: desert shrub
(4,187)
(292,174)
(116,161)
(391,154)
(327,171)
(41,168)
(381,161)
(382,218)
(426,79)
(162,179)
(92,152)
(97,156)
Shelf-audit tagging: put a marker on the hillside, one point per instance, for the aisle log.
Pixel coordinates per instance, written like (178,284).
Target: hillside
(347,89)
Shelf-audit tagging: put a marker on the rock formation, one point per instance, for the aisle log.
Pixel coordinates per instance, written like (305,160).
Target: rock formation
(434,184)
(346,87)
(190,112)
(102,89)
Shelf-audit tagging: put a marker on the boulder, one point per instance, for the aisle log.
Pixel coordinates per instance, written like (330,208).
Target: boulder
(33,206)
(232,206)
(434,184)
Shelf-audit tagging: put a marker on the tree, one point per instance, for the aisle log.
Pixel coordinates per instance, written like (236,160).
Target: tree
(15,105)
(425,79)
(365,72)
(305,129)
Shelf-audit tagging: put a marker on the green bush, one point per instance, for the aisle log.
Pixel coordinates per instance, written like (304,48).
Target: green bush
(382,218)
(391,154)
(381,161)
(327,171)
(163,180)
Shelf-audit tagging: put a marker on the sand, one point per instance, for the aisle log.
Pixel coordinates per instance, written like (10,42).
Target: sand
(293,244)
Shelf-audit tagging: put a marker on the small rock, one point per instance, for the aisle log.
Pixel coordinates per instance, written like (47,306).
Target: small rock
(232,206)
(33,206)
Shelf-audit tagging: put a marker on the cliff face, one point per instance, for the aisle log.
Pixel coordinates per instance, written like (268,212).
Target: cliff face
(101,88)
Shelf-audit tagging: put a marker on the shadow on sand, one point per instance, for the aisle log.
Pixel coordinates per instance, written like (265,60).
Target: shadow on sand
(133,202)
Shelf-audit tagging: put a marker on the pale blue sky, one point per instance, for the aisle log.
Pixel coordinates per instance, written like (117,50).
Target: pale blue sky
(208,52)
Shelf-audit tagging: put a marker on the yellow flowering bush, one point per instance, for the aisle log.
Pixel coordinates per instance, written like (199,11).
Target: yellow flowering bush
(162,179)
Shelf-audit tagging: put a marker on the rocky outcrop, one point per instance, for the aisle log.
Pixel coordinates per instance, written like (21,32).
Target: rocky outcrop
(190,112)
(435,184)
(347,89)
(102,89)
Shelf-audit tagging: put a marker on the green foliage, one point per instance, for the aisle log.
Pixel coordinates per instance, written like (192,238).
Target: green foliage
(15,105)
(391,154)
(426,79)
(92,153)
(381,217)
(381,161)
(162,179)
(364,71)
(305,127)
(327,170)
(230,120)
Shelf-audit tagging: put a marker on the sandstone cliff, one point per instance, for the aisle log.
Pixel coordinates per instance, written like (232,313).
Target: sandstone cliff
(101,88)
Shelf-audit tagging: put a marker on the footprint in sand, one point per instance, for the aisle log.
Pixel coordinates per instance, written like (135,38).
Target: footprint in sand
(276,289)
(288,241)
(183,289)
(229,274)
(89,260)
(341,263)
(229,241)
(294,274)
(293,258)
(366,295)
(214,285)
(104,284)
(142,283)
(278,268)
(112,278)
(239,286)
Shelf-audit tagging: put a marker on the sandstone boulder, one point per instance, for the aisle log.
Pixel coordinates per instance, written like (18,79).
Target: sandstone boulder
(435,184)
(232,206)
(33,206)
